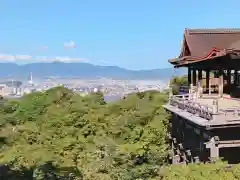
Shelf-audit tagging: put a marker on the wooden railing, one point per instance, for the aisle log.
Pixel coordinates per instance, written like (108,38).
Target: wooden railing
(183,102)
(186,89)
(187,103)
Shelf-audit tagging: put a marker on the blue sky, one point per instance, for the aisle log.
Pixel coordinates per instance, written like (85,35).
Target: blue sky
(133,34)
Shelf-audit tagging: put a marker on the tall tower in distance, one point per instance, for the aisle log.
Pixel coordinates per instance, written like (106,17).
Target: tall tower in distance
(30,81)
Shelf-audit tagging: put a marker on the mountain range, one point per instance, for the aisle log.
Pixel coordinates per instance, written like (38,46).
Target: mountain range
(83,70)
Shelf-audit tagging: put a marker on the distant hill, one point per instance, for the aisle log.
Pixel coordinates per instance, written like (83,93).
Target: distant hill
(84,70)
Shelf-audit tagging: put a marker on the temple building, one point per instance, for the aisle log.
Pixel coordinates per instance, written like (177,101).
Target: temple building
(206,120)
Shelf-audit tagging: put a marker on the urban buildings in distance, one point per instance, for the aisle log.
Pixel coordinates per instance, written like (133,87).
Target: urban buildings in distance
(112,89)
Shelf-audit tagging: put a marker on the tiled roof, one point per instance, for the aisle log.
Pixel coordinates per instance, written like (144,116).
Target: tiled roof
(200,43)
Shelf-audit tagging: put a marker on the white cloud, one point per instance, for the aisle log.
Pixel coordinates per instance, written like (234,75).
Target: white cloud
(44,48)
(70,45)
(70,59)
(22,58)
(7,58)
(13,58)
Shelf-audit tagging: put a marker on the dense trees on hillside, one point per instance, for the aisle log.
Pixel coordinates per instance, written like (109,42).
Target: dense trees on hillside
(177,82)
(60,135)
(84,136)
(218,171)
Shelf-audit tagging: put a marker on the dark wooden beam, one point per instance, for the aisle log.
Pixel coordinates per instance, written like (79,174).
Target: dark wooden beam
(194,77)
(221,83)
(228,76)
(189,76)
(208,79)
(218,64)
(235,77)
(199,75)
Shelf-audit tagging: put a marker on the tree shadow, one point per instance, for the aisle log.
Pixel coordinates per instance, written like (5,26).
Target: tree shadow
(7,173)
(47,171)
(3,141)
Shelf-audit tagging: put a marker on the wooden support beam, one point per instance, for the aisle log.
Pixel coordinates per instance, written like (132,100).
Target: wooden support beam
(189,76)
(220,89)
(176,159)
(189,156)
(214,149)
(208,81)
(194,77)
(199,75)
(229,143)
(196,160)
(235,77)
(228,77)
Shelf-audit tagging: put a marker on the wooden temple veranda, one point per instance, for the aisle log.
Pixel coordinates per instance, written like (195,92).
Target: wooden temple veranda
(206,120)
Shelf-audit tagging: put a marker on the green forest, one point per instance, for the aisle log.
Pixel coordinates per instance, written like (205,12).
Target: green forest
(58,135)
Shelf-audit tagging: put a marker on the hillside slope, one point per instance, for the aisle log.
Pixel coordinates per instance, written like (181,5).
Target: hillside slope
(67,133)
(59,135)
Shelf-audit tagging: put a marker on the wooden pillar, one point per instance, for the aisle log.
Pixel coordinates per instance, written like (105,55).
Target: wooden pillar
(194,77)
(235,77)
(201,145)
(199,75)
(229,81)
(180,126)
(220,89)
(174,125)
(189,76)
(228,77)
(208,80)
(178,134)
(214,153)
(214,150)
